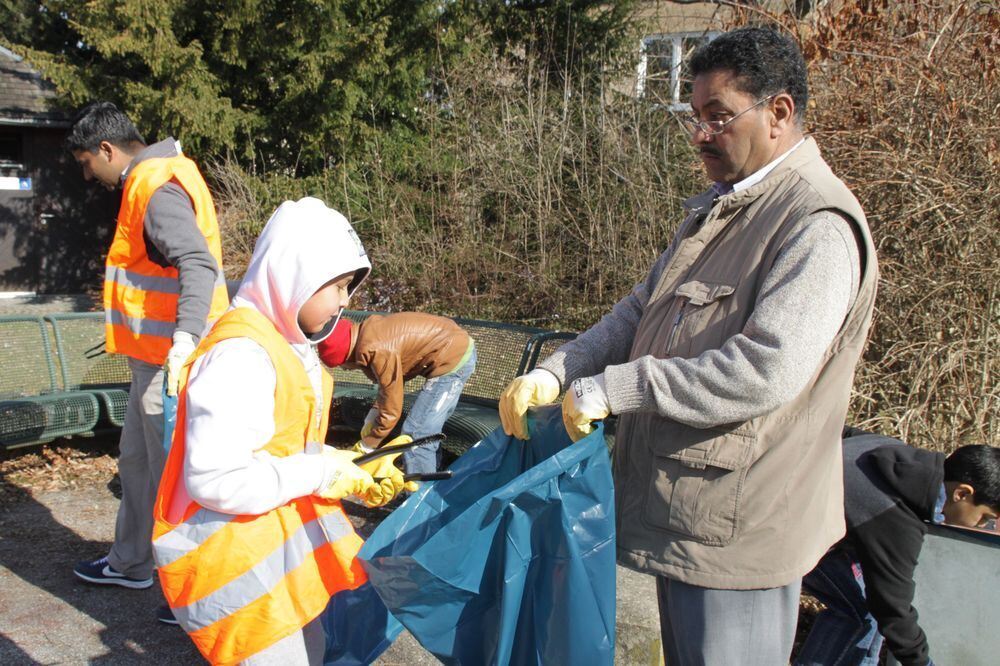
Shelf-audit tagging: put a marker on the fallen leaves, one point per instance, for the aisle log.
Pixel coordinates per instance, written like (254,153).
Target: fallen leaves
(60,465)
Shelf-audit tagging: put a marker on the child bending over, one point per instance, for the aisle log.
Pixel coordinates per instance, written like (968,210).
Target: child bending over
(891,492)
(390,349)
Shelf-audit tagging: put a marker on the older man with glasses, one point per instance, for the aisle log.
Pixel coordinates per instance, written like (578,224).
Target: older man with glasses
(731,367)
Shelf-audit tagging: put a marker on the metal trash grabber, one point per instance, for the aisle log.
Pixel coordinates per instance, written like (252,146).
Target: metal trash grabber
(425,476)
(399,448)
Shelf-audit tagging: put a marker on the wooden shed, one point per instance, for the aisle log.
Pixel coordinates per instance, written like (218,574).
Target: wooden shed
(54,227)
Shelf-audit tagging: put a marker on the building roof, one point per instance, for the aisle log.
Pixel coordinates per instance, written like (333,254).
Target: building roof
(26,99)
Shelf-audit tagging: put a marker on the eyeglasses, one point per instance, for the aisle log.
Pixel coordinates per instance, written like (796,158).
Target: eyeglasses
(712,127)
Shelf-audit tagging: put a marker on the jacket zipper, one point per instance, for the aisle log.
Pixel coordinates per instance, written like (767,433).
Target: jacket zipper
(673,331)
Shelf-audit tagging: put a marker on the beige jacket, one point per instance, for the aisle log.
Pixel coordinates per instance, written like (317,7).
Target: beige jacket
(752,504)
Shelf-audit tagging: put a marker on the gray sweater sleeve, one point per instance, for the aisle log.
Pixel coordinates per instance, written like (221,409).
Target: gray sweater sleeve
(171,227)
(609,341)
(799,311)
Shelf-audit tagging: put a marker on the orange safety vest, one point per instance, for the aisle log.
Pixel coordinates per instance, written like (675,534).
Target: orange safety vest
(240,583)
(140,296)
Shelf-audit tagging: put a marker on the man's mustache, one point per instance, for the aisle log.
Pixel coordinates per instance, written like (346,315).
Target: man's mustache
(706,150)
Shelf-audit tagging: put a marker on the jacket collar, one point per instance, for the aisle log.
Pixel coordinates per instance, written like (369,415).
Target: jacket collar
(805,153)
(169,147)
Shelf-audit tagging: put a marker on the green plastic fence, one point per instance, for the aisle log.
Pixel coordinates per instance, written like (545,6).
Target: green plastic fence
(33,408)
(78,339)
(55,378)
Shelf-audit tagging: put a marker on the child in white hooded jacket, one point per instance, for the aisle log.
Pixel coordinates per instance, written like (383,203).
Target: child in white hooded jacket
(231,390)
(222,476)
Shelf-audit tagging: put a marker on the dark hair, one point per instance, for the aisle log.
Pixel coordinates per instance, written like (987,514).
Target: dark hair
(979,466)
(101,121)
(765,62)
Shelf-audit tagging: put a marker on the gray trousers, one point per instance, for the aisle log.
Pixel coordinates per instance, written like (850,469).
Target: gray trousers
(140,464)
(703,626)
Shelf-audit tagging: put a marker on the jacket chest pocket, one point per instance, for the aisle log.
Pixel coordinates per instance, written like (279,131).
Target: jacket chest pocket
(696,492)
(700,321)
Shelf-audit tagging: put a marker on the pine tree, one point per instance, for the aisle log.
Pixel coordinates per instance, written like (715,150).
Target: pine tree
(290,86)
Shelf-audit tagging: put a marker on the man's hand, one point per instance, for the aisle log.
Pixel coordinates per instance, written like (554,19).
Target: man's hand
(389,478)
(179,352)
(585,401)
(341,477)
(538,387)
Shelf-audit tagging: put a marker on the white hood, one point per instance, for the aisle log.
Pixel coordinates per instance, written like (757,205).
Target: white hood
(303,246)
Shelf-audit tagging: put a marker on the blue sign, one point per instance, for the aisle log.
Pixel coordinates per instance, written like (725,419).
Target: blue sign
(15,183)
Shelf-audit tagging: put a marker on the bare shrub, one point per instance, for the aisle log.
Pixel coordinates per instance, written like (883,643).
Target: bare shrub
(240,212)
(557,201)
(905,110)
(539,198)
(520,203)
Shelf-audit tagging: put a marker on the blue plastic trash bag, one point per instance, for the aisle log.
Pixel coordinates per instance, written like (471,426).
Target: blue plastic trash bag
(169,417)
(512,561)
(358,627)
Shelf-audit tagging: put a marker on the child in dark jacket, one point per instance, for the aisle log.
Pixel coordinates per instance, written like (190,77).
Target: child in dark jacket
(391,349)
(891,491)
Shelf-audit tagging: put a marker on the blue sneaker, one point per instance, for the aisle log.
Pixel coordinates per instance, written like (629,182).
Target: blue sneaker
(100,572)
(166,616)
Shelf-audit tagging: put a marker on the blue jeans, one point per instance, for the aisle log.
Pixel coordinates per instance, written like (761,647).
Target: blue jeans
(434,404)
(845,634)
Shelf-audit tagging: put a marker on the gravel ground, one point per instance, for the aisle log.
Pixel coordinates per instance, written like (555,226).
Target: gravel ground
(57,506)
(46,304)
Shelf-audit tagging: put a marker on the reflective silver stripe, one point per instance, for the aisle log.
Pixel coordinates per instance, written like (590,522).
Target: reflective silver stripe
(163,285)
(265,575)
(187,536)
(220,279)
(139,326)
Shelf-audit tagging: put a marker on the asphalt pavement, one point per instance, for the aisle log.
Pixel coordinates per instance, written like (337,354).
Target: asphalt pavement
(48,616)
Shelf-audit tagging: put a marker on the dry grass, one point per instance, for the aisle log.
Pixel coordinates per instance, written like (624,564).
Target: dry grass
(241,214)
(521,203)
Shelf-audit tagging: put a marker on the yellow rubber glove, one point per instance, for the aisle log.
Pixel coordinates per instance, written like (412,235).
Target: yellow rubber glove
(369,425)
(391,476)
(585,401)
(538,387)
(183,346)
(360,448)
(341,477)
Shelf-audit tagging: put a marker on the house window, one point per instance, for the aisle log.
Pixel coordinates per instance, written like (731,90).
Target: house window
(662,75)
(10,151)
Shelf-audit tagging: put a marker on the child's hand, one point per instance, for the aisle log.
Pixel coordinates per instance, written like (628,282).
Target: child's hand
(361,448)
(341,477)
(388,477)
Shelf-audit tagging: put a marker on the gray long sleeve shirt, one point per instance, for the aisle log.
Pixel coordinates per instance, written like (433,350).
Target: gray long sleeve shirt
(801,306)
(173,239)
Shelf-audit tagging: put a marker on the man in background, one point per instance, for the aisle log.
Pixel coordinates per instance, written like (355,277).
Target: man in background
(891,492)
(163,283)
